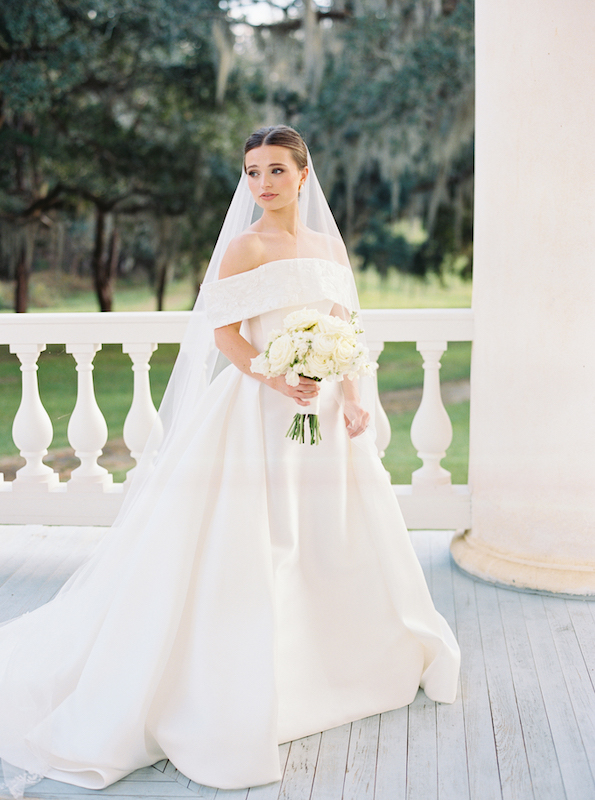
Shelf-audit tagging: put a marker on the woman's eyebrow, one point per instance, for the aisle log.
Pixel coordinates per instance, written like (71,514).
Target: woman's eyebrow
(276,164)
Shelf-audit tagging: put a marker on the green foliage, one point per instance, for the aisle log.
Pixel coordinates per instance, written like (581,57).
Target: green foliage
(114,105)
(401,459)
(391,122)
(400,365)
(380,247)
(127,119)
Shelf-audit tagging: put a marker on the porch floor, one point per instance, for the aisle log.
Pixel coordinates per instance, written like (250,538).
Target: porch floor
(523,725)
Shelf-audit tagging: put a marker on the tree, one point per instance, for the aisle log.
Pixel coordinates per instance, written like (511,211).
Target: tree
(384,92)
(117,104)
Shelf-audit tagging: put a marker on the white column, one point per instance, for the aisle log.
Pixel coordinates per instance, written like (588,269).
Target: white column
(431,429)
(87,429)
(32,428)
(532,463)
(142,414)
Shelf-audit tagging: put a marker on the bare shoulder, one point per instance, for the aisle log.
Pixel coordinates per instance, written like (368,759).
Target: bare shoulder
(243,253)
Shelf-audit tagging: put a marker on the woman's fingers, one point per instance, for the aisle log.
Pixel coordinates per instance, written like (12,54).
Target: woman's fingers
(357,425)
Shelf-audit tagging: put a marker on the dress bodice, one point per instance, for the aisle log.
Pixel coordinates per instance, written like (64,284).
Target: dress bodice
(285,284)
(260,326)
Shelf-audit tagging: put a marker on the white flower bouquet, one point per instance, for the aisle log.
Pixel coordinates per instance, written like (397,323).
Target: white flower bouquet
(317,346)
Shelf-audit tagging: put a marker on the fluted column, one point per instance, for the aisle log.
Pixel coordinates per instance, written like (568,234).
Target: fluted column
(532,436)
(142,414)
(32,429)
(87,428)
(431,429)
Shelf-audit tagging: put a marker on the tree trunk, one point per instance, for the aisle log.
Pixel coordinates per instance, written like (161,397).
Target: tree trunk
(161,282)
(168,239)
(25,247)
(104,265)
(21,294)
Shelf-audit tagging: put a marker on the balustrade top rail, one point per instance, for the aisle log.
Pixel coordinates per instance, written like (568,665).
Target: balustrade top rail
(115,327)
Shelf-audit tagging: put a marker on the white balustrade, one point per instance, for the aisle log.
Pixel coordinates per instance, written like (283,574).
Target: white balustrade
(383,431)
(87,428)
(431,429)
(141,417)
(32,428)
(90,497)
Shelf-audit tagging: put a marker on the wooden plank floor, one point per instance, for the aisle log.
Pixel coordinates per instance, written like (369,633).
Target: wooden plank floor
(522,728)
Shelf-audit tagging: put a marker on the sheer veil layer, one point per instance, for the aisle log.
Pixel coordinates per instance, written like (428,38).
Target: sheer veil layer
(199,358)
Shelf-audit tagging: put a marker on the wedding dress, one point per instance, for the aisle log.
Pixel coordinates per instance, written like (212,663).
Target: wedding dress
(255,590)
(269,591)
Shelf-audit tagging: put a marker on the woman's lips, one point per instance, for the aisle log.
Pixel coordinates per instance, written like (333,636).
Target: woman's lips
(267,196)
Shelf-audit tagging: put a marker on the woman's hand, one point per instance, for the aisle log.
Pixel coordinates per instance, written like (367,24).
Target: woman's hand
(303,394)
(357,419)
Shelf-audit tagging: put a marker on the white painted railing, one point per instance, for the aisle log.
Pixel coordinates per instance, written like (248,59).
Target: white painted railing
(91,497)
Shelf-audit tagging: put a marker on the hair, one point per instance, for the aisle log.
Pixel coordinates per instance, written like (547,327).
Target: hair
(283,136)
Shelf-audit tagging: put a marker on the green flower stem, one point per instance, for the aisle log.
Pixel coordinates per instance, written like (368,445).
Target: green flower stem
(315,435)
(297,429)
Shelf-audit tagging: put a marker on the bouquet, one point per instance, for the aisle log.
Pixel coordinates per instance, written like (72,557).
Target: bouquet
(318,346)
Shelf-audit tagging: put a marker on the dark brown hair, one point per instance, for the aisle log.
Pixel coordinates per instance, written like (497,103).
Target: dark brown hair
(283,136)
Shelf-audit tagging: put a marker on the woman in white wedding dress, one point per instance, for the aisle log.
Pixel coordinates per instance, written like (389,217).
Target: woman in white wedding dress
(253,590)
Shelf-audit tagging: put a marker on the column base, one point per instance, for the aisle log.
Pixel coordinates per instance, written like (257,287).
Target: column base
(516,572)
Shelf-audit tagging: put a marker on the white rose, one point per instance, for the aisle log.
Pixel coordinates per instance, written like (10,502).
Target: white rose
(329,323)
(317,366)
(301,320)
(324,343)
(281,354)
(344,353)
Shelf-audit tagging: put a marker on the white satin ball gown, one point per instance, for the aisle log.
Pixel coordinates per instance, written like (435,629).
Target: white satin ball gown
(268,590)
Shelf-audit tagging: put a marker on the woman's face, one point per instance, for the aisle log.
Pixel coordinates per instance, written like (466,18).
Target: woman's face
(274,177)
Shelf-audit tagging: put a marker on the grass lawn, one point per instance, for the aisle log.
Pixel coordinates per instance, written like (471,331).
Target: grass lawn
(400,365)
(57,387)
(401,459)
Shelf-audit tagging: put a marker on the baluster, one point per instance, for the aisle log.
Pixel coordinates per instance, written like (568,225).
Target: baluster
(87,429)
(431,430)
(383,431)
(141,416)
(32,428)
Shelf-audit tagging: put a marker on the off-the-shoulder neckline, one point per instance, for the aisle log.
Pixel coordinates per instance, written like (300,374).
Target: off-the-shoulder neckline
(285,261)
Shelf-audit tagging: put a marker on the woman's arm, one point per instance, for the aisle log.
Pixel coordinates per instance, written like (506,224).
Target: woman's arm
(239,351)
(357,418)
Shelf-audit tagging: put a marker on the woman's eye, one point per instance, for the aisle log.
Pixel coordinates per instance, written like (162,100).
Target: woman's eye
(252,174)
(277,169)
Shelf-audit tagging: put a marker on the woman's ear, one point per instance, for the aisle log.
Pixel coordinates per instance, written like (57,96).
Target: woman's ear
(304,175)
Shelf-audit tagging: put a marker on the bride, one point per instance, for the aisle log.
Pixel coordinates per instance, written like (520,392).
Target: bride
(253,590)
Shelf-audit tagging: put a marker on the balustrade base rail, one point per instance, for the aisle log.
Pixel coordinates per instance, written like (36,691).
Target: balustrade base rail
(91,498)
(427,510)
